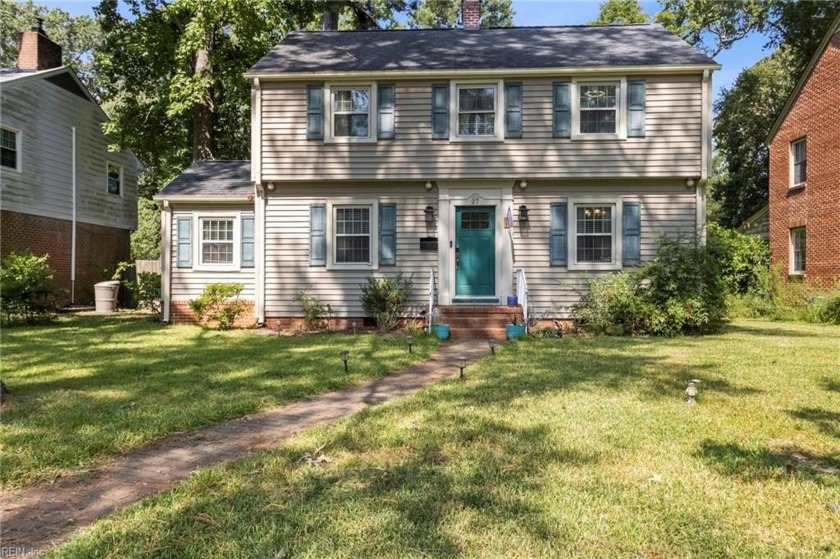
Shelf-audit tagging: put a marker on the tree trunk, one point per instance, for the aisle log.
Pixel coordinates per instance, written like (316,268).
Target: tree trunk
(203,112)
(331,11)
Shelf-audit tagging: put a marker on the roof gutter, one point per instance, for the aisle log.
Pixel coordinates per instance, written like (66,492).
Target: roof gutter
(247,198)
(504,72)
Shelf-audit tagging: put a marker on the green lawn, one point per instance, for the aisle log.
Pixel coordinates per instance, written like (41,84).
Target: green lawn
(551,448)
(86,388)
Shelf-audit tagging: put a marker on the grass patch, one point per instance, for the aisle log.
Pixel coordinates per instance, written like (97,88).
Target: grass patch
(86,388)
(551,448)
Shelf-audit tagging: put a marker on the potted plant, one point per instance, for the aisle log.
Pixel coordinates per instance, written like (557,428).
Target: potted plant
(440,330)
(515,329)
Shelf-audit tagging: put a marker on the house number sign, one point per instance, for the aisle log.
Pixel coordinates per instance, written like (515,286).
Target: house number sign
(474,199)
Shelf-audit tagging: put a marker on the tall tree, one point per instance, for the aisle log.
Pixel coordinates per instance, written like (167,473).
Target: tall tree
(446,14)
(76,35)
(620,12)
(745,113)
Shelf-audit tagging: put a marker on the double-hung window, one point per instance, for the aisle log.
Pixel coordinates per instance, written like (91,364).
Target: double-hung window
(351,112)
(352,234)
(115,174)
(599,108)
(477,110)
(217,241)
(799,154)
(10,148)
(594,233)
(797,251)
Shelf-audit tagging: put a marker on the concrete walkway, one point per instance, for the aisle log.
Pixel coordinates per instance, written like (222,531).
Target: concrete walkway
(36,518)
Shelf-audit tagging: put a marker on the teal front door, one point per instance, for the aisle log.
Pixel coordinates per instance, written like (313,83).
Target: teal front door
(475,252)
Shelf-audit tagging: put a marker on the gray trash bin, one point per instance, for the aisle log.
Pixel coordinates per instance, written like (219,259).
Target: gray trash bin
(106,295)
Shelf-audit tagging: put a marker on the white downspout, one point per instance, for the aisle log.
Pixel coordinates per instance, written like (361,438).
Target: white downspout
(166,257)
(705,154)
(73,219)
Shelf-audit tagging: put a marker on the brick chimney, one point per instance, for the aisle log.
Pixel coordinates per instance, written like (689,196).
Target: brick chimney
(36,51)
(470,13)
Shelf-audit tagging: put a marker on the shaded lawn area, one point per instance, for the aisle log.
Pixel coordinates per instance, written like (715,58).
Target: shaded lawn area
(550,448)
(86,388)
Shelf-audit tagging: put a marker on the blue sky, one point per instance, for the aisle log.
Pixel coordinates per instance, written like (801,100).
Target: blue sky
(745,53)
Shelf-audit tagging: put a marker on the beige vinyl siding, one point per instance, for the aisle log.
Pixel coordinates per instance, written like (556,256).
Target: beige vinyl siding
(672,146)
(287,247)
(188,283)
(666,209)
(44,113)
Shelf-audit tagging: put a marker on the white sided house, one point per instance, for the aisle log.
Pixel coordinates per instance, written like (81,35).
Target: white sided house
(497,162)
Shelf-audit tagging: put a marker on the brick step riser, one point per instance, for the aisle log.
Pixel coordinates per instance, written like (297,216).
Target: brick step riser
(479,334)
(478,310)
(476,322)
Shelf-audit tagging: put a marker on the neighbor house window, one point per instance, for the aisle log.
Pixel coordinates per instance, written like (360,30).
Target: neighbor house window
(217,240)
(352,234)
(799,151)
(797,250)
(598,108)
(10,148)
(477,110)
(114,179)
(594,234)
(351,112)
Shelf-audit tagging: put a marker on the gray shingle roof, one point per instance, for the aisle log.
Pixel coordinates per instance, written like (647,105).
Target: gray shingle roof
(211,179)
(485,49)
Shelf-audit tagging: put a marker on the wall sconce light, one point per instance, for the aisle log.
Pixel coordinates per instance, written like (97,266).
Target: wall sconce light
(270,186)
(523,213)
(523,184)
(429,185)
(429,214)
(689,183)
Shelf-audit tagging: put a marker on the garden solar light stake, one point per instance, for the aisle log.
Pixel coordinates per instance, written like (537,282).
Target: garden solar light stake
(345,355)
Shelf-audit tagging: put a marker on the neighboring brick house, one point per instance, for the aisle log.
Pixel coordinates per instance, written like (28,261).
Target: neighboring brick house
(805,171)
(62,192)
(468,158)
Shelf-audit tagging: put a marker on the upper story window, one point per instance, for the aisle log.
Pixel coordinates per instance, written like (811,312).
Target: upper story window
(351,112)
(799,155)
(10,148)
(599,104)
(477,110)
(115,176)
(797,251)
(217,241)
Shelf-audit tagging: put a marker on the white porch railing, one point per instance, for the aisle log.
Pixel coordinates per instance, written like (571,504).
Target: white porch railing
(431,309)
(522,294)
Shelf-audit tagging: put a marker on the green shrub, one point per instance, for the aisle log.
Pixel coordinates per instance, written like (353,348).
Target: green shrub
(384,299)
(219,303)
(680,291)
(743,259)
(147,291)
(316,314)
(27,293)
(830,311)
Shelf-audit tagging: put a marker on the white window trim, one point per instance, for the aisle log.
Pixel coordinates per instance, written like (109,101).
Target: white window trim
(499,132)
(621,109)
(571,235)
(791,257)
(792,180)
(18,148)
(237,241)
(109,164)
(374,234)
(373,114)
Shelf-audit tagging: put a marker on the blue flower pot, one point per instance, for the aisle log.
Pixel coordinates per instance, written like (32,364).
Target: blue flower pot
(441,331)
(515,331)
(512,300)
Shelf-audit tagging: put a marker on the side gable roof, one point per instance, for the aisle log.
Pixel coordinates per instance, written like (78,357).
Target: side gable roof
(832,30)
(510,48)
(219,180)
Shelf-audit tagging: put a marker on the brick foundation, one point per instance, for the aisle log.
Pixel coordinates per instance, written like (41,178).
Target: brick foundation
(180,313)
(98,249)
(815,115)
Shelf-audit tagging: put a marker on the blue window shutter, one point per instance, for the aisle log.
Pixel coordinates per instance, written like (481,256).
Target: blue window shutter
(387,234)
(314,112)
(562,110)
(185,241)
(387,102)
(247,241)
(636,109)
(440,110)
(631,234)
(557,235)
(513,110)
(318,235)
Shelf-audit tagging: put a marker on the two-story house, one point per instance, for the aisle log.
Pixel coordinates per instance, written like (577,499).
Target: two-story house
(805,171)
(476,156)
(62,191)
